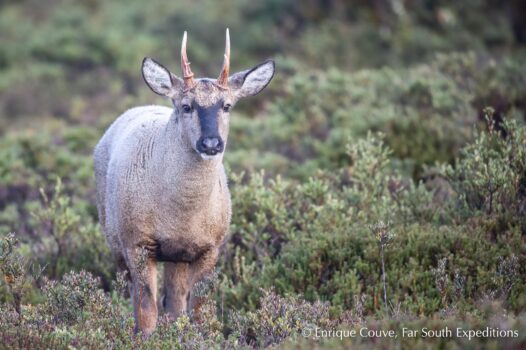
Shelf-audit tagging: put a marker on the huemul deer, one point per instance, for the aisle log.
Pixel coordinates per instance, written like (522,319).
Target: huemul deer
(162,193)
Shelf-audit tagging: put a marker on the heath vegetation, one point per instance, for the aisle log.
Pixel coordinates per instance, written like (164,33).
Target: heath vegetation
(380,182)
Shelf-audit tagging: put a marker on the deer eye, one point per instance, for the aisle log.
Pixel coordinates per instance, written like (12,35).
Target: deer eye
(186,108)
(226,107)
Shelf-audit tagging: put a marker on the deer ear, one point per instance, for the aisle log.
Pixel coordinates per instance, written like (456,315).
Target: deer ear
(252,81)
(159,79)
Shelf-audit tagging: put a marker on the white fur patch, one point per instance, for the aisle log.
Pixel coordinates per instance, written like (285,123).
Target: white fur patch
(205,156)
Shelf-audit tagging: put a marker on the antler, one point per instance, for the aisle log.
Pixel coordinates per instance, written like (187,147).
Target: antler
(188,76)
(223,76)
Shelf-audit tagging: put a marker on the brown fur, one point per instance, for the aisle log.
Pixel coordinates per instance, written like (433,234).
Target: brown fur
(158,198)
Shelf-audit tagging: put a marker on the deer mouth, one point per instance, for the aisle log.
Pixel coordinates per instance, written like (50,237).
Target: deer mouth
(205,156)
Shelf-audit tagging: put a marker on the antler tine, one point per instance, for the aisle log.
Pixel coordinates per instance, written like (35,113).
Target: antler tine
(223,77)
(188,76)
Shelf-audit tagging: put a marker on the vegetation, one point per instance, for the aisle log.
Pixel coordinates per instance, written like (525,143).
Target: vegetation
(380,184)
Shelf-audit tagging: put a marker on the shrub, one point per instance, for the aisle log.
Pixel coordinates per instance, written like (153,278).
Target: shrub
(278,318)
(339,158)
(318,242)
(69,239)
(489,178)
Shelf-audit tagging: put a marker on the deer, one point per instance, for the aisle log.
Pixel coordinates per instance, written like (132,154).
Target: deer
(161,188)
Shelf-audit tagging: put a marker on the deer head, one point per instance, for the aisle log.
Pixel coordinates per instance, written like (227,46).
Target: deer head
(202,106)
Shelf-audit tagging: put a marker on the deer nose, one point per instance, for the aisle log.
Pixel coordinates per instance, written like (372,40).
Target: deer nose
(210,145)
(210,142)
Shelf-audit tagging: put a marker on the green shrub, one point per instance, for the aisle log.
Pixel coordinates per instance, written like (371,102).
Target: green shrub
(69,239)
(361,195)
(490,177)
(426,113)
(314,238)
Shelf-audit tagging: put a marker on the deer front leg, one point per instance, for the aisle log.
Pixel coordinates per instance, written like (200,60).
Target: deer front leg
(179,279)
(198,270)
(144,293)
(176,288)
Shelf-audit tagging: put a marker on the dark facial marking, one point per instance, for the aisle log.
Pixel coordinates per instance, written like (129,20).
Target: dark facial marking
(208,119)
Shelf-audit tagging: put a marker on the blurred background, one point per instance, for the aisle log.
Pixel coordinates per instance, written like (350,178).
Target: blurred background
(77,63)
(52,50)
(419,72)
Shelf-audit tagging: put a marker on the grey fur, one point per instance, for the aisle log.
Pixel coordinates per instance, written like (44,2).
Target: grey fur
(157,194)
